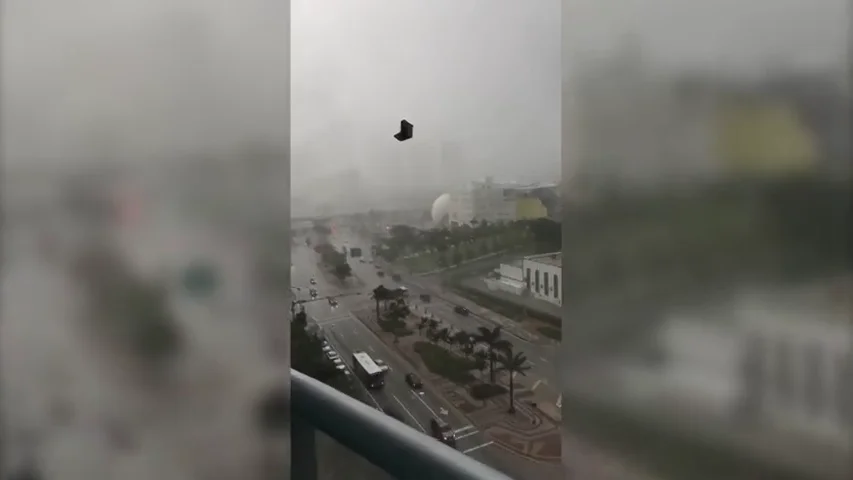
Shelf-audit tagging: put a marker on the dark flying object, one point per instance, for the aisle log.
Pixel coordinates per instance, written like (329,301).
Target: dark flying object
(405,132)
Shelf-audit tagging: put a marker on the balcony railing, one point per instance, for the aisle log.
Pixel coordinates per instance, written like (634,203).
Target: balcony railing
(403,452)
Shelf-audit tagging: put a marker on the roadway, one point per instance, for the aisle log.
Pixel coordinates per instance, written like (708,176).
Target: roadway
(66,395)
(346,334)
(541,355)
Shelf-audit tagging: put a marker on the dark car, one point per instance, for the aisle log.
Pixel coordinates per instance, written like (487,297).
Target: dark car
(461,310)
(414,381)
(313,293)
(380,273)
(396,277)
(442,432)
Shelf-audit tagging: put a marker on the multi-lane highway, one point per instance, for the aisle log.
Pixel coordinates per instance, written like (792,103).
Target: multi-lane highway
(347,334)
(541,355)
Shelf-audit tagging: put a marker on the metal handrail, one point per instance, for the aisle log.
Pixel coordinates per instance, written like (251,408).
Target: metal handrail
(389,444)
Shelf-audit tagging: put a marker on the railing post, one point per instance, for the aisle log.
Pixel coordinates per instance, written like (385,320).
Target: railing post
(303,447)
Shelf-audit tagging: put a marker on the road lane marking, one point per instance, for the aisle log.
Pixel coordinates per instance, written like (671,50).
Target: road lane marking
(467,435)
(370,347)
(535,384)
(543,359)
(410,413)
(474,449)
(459,430)
(435,415)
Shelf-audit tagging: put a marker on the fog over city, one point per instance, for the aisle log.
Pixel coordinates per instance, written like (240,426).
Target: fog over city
(318,88)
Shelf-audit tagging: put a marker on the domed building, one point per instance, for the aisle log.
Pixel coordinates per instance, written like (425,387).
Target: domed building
(440,211)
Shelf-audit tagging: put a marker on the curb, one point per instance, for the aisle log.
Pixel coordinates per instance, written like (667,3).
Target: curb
(435,391)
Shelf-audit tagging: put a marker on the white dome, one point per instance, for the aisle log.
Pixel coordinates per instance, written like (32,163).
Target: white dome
(440,207)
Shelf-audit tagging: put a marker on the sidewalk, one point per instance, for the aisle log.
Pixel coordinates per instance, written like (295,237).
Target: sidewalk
(527,433)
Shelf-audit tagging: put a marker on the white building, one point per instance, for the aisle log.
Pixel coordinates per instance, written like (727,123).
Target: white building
(508,278)
(539,276)
(543,275)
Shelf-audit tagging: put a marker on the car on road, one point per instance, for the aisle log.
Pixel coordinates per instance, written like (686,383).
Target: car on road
(333,302)
(312,281)
(313,293)
(413,381)
(461,310)
(442,432)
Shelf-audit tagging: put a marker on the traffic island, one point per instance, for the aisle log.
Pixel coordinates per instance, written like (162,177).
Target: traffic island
(526,433)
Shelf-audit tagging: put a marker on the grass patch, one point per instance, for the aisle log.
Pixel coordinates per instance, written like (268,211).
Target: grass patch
(425,262)
(551,332)
(485,391)
(441,361)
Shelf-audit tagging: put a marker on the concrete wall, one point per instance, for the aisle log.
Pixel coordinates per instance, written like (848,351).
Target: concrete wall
(549,286)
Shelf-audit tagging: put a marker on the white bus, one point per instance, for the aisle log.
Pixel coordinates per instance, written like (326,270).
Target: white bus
(368,371)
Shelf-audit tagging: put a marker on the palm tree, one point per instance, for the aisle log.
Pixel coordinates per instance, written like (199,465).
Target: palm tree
(481,359)
(491,337)
(463,340)
(432,326)
(422,324)
(380,294)
(513,363)
(443,335)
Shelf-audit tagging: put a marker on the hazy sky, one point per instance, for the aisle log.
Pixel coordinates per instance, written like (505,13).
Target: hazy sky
(140,79)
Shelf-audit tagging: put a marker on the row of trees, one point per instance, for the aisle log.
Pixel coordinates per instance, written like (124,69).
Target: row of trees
(334,259)
(486,347)
(469,240)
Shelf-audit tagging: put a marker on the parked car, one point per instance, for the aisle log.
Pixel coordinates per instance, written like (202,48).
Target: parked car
(442,432)
(461,310)
(413,381)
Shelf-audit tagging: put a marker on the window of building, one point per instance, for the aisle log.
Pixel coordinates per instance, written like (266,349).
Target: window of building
(783,372)
(537,280)
(753,375)
(556,286)
(815,379)
(545,284)
(844,389)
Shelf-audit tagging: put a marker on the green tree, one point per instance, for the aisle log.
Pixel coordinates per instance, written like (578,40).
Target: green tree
(380,294)
(513,363)
(492,338)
